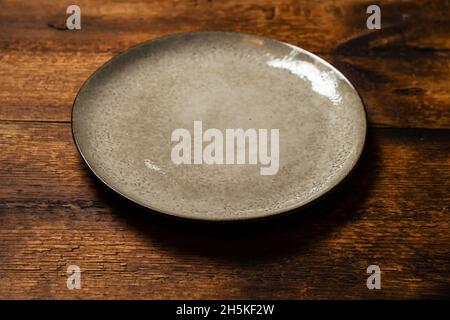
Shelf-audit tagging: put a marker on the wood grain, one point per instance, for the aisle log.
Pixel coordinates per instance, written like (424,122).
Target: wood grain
(54,213)
(392,211)
(402,70)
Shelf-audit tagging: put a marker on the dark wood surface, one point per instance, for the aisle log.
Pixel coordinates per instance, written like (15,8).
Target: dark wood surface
(392,211)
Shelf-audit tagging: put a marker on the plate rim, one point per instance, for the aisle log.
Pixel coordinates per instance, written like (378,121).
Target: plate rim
(221,219)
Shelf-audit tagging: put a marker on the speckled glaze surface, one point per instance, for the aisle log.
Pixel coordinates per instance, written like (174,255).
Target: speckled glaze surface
(124,114)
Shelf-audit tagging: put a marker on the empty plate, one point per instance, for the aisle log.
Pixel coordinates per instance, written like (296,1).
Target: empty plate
(219,126)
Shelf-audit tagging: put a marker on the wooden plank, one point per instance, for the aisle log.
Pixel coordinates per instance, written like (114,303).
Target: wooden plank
(407,92)
(393,211)
(319,26)
(402,70)
(30,90)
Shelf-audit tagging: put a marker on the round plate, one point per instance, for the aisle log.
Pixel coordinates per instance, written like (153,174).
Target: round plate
(219,126)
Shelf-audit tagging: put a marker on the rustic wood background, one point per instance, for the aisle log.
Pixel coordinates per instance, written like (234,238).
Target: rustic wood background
(393,211)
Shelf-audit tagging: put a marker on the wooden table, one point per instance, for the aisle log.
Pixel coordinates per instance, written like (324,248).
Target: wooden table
(392,212)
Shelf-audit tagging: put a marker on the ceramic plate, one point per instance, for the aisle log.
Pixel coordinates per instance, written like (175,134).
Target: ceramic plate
(219,126)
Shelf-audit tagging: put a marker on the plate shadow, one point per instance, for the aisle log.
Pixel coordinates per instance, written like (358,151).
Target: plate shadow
(294,232)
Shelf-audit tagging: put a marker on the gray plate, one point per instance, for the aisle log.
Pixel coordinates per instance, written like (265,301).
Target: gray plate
(125,114)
